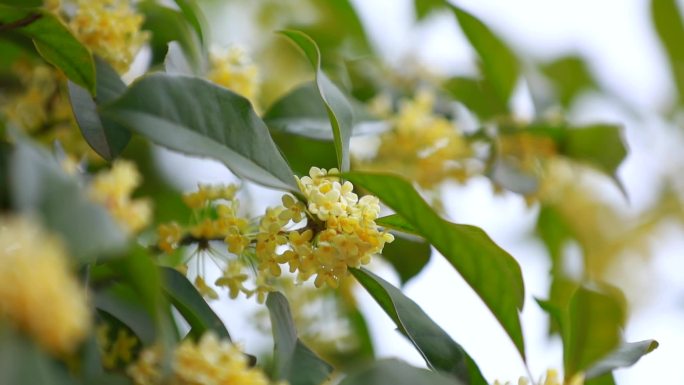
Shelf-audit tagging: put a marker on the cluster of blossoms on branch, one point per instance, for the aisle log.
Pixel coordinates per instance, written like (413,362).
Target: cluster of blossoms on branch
(331,230)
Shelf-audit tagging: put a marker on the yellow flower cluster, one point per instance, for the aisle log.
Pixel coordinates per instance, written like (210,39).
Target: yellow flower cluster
(111,29)
(341,232)
(233,69)
(426,148)
(551,378)
(209,361)
(113,189)
(38,292)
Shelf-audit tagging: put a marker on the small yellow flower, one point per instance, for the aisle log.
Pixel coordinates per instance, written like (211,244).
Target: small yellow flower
(233,278)
(233,69)
(170,235)
(38,292)
(204,289)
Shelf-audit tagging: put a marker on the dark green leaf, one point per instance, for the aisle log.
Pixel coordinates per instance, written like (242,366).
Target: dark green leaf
(22,362)
(434,344)
(318,153)
(625,355)
(121,302)
(56,44)
(596,317)
(104,136)
(489,270)
(667,20)
(191,305)
(499,63)
(396,222)
(336,104)
(407,255)
(196,117)
(167,25)
(294,362)
(193,14)
(478,95)
(38,184)
(570,77)
(22,3)
(396,372)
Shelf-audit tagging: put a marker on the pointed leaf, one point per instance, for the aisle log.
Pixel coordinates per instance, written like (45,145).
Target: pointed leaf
(489,270)
(407,255)
(196,117)
(338,108)
(396,372)
(104,136)
(436,346)
(191,305)
(625,355)
(499,63)
(294,362)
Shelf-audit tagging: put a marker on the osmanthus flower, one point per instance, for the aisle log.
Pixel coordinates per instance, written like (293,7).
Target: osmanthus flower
(111,29)
(39,293)
(232,68)
(425,147)
(208,361)
(113,188)
(551,378)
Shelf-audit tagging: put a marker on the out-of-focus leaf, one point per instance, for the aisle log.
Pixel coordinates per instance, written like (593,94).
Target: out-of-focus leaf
(499,63)
(596,318)
(397,222)
(338,108)
(167,25)
(121,302)
(407,255)
(625,355)
(489,270)
(196,117)
(396,372)
(570,77)
(176,62)
(436,346)
(55,43)
(294,362)
(22,362)
(191,305)
(423,8)
(193,14)
(22,3)
(667,20)
(477,95)
(38,184)
(319,153)
(107,138)
(553,231)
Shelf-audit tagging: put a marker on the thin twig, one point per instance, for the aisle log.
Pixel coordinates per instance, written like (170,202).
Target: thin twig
(21,22)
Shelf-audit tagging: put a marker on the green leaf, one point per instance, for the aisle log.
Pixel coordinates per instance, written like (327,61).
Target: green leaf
(625,355)
(294,362)
(22,3)
(424,8)
(667,20)
(167,25)
(489,270)
(606,379)
(478,95)
(596,318)
(196,117)
(319,153)
(336,104)
(38,184)
(397,373)
(432,342)
(55,43)
(104,136)
(191,305)
(570,77)
(23,362)
(121,302)
(407,255)
(499,63)
(397,222)
(193,14)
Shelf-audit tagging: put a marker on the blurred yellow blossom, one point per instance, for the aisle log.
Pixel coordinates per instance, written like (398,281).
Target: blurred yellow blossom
(112,189)
(111,29)
(206,362)
(120,350)
(422,146)
(233,69)
(551,378)
(38,292)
